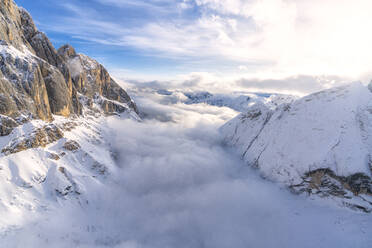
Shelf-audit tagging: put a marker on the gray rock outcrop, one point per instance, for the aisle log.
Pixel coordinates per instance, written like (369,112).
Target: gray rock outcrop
(37,81)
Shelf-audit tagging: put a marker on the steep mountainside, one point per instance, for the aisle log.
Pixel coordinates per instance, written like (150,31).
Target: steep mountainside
(37,81)
(53,108)
(320,144)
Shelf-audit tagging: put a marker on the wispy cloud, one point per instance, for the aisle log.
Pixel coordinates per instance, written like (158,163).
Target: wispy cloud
(201,81)
(278,38)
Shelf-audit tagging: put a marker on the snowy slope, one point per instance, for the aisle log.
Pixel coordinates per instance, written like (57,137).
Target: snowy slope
(37,180)
(330,129)
(154,184)
(239,101)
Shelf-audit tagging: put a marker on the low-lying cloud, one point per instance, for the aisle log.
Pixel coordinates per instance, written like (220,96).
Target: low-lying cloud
(193,82)
(177,185)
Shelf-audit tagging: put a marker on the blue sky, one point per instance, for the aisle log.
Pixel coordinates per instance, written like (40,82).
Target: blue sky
(61,23)
(229,40)
(108,31)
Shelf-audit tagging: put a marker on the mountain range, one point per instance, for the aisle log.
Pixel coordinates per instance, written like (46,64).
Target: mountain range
(73,141)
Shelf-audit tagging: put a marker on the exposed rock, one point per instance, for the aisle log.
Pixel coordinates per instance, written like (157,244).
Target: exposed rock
(44,49)
(54,156)
(68,126)
(38,138)
(58,81)
(59,94)
(71,145)
(11,27)
(320,144)
(324,182)
(67,185)
(99,168)
(92,80)
(22,86)
(38,80)
(66,51)
(109,106)
(39,41)
(7,125)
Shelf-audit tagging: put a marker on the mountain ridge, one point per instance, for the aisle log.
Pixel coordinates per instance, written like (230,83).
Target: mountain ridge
(319,144)
(36,80)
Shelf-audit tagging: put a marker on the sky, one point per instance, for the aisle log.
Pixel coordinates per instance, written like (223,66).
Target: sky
(289,46)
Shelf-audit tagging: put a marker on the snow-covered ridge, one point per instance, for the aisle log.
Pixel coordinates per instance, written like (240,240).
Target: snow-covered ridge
(331,130)
(239,101)
(34,178)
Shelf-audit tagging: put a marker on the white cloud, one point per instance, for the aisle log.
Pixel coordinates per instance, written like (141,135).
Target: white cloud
(214,83)
(177,185)
(276,39)
(291,37)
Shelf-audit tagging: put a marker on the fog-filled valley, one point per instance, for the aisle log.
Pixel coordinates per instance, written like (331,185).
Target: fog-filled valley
(175,184)
(217,124)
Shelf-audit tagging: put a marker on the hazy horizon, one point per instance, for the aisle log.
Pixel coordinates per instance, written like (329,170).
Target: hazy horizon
(283,46)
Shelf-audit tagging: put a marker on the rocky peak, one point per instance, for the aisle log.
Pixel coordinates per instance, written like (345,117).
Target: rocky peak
(93,81)
(39,42)
(28,25)
(11,28)
(66,51)
(38,81)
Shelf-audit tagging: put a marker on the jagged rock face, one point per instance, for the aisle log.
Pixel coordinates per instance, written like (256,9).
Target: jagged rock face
(22,85)
(59,93)
(38,40)
(38,81)
(18,29)
(71,145)
(11,28)
(32,82)
(7,125)
(326,183)
(93,81)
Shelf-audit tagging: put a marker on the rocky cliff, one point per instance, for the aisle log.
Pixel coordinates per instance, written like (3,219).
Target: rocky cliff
(37,81)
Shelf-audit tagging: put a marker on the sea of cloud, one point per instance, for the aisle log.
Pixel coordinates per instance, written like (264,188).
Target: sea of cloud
(299,85)
(177,185)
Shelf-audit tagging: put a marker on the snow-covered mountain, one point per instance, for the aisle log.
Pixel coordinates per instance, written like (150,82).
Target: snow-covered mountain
(238,101)
(320,144)
(80,168)
(39,83)
(52,105)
